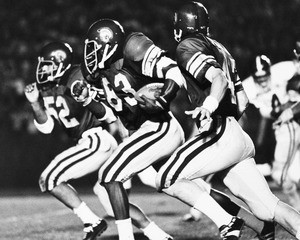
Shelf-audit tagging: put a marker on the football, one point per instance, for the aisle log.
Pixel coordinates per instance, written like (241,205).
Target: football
(151,91)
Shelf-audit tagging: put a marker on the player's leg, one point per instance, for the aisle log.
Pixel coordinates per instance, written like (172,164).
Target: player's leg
(85,157)
(102,195)
(193,195)
(253,189)
(194,214)
(264,229)
(139,219)
(203,155)
(134,154)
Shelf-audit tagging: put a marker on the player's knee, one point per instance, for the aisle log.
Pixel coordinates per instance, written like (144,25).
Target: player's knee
(159,184)
(111,185)
(98,189)
(177,189)
(42,183)
(46,183)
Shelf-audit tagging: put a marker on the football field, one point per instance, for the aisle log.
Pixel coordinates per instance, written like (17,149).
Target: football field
(30,215)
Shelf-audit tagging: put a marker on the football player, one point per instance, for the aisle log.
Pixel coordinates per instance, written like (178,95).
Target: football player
(266,84)
(155,133)
(51,100)
(214,87)
(287,131)
(271,89)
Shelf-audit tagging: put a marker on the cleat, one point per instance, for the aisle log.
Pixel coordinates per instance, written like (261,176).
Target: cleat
(233,230)
(268,232)
(94,230)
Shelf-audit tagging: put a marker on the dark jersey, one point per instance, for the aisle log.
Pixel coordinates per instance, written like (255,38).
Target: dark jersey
(71,115)
(195,55)
(144,63)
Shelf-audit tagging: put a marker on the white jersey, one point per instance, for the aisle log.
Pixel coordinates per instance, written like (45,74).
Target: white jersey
(262,97)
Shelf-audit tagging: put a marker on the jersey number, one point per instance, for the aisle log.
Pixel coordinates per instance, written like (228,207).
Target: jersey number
(59,110)
(120,82)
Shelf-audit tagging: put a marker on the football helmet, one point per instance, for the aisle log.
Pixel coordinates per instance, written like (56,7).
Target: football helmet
(54,60)
(192,17)
(297,50)
(103,45)
(262,70)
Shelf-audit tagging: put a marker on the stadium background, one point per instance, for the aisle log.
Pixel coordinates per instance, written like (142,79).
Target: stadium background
(246,28)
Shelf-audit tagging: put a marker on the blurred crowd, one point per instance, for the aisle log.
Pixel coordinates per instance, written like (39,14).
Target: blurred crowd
(247,28)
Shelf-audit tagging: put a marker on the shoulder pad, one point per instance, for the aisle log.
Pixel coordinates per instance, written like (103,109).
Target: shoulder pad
(136,46)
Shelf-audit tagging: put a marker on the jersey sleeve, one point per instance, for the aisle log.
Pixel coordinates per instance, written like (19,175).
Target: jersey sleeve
(195,57)
(149,60)
(46,127)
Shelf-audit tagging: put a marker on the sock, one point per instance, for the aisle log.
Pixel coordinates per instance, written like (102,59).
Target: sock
(207,205)
(85,214)
(125,229)
(153,232)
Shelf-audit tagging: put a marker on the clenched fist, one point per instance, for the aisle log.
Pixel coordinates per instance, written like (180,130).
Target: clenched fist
(31,92)
(80,90)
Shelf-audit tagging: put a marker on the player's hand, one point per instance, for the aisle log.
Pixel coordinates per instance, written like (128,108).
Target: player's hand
(199,113)
(149,105)
(284,117)
(31,92)
(80,90)
(202,118)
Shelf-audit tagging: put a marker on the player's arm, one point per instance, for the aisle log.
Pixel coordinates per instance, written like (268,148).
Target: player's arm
(174,80)
(152,61)
(242,99)
(42,120)
(91,98)
(198,61)
(218,88)
(289,114)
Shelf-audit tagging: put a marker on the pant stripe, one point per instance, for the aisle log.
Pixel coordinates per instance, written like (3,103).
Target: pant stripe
(141,149)
(192,154)
(92,142)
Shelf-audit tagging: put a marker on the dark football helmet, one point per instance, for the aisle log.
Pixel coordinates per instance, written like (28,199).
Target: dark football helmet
(103,45)
(297,50)
(54,60)
(191,17)
(262,70)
